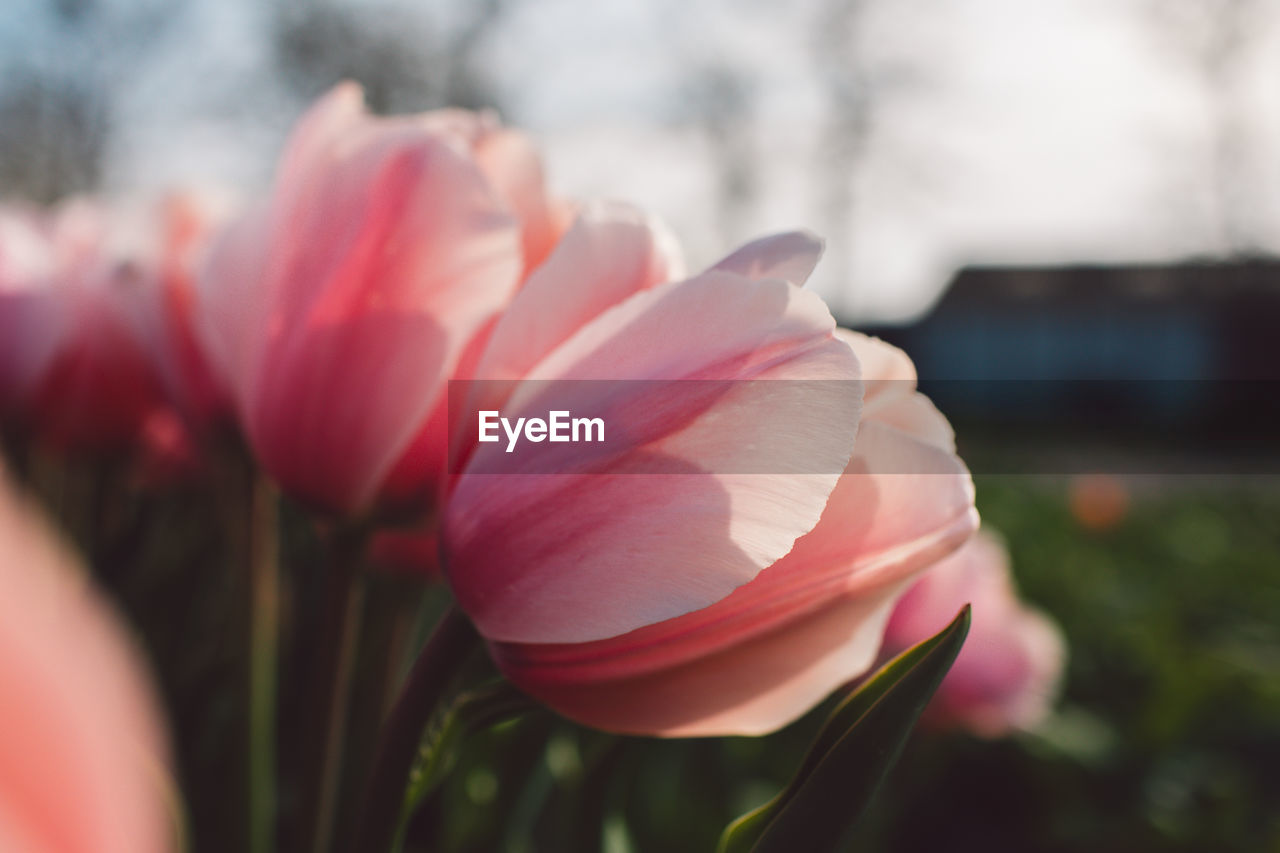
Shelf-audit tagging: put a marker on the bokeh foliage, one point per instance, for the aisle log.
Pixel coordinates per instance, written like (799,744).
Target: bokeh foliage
(1167,737)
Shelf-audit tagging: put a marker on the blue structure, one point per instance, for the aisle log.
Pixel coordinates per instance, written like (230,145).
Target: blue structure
(1184,352)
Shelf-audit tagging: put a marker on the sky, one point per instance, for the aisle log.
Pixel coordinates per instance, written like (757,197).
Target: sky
(980,131)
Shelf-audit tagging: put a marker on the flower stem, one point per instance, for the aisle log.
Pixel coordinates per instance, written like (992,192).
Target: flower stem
(330,680)
(264,613)
(444,655)
(386,623)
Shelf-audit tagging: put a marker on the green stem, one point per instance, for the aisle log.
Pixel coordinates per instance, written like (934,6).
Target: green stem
(264,618)
(390,605)
(329,688)
(446,652)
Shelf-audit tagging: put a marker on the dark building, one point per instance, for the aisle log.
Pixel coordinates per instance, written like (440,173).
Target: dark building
(1186,355)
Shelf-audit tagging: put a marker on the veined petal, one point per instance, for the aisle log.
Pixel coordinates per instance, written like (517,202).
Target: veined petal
(610,253)
(749,688)
(790,256)
(680,517)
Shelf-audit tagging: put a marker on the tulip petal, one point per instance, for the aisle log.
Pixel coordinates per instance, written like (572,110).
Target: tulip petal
(317,139)
(750,688)
(82,757)
(887,370)
(511,162)
(897,492)
(34,326)
(232,300)
(891,398)
(419,476)
(34,316)
(1006,676)
(717,325)
(668,527)
(915,415)
(611,252)
(791,256)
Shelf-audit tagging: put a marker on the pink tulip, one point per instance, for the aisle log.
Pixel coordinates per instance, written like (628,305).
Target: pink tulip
(338,309)
(1007,673)
(808,623)
(73,364)
(668,603)
(83,764)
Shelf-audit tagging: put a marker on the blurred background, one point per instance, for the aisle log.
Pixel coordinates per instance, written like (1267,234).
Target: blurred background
(916,136)
(1067,211)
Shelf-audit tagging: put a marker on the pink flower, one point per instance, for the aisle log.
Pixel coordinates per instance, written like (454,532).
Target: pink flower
(338,309)
(667,603)
(182,226)
(83,764)
(1007,673)
(73,364)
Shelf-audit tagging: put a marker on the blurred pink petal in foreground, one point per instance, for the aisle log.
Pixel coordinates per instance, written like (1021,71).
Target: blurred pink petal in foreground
(1007,674)
(666,524)
(338,309)
(83,765)
(774,647)
(74,362)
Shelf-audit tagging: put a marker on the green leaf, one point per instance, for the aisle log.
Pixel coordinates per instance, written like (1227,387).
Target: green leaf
(851,755)
(471,712)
